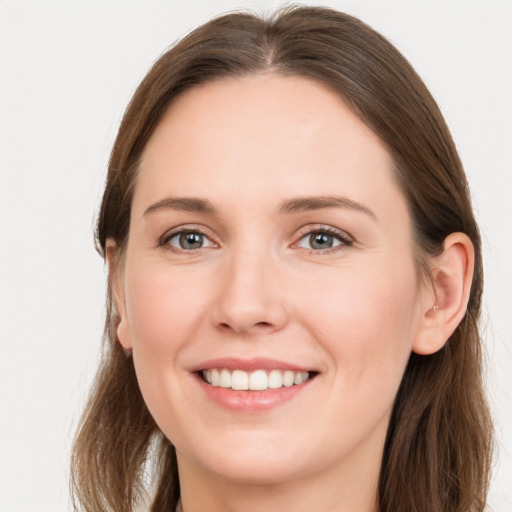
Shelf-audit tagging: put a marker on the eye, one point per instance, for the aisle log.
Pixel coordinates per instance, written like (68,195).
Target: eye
(323,239)
(188,240)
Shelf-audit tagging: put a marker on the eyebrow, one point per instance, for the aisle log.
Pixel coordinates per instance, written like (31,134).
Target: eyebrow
(302,204)
(186,204)
(295,205)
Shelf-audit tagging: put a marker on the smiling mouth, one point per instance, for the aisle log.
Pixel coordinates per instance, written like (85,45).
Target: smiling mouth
(258,380)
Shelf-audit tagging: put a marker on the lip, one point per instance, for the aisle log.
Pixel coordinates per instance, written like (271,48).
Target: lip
(250,401)
(249,365)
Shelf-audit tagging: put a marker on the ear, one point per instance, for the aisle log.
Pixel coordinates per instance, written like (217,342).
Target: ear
(116,280)
(445,298)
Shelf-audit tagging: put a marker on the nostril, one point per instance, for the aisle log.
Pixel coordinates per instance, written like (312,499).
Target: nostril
(225,325)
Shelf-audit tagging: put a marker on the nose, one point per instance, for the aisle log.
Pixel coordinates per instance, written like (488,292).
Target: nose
(251,299)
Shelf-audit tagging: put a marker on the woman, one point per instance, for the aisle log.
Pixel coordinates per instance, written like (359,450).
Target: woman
(295,284)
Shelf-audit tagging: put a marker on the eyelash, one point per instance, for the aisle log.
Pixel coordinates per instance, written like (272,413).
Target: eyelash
(344,239)
(164,241)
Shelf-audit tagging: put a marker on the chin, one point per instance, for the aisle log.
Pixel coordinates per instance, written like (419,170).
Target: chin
(253,462)
(257,472)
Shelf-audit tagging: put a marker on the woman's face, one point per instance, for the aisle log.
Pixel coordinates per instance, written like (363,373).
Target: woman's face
(268,239)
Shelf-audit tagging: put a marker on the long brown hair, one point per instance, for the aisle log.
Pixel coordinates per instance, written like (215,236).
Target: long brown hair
(437,451)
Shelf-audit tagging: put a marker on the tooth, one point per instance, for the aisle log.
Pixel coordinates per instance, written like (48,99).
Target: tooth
(275,379)
(258,380)
(215,377)
(225,379)
(239,380)
(288,378)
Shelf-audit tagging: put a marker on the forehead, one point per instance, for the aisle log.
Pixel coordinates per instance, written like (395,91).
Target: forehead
(261,134)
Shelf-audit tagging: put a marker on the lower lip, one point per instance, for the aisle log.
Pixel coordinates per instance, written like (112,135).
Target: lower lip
(251,401)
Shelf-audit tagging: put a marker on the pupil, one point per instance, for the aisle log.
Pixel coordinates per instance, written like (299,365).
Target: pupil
(191,240)
(321,241)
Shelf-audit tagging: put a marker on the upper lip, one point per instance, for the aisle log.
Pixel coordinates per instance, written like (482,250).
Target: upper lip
(248,365)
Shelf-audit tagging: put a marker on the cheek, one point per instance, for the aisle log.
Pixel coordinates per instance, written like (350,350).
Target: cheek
(163,309)
(163,317)
(366,320)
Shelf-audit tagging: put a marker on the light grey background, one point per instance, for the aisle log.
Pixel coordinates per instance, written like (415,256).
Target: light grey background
(67,71)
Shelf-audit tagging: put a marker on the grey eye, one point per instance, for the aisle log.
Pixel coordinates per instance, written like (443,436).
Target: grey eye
(189,240)
(319,240)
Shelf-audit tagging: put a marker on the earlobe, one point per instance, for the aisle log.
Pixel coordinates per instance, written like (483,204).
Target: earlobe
(444,305)
(116,273)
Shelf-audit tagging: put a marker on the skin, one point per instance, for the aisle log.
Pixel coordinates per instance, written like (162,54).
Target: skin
(353,312)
